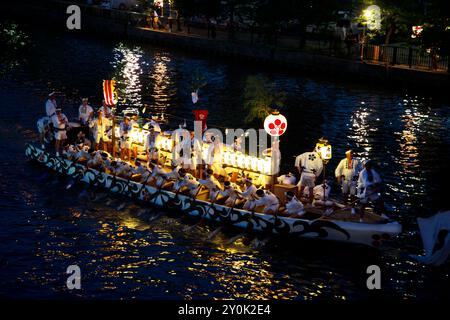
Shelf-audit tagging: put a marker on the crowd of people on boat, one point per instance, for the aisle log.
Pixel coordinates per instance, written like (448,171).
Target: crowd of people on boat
(93,146)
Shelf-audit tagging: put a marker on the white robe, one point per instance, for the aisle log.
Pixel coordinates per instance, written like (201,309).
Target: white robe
(364,185)
(287,179)
(310,162)
(85,114)
(294,206)
(50,108)
(429,231)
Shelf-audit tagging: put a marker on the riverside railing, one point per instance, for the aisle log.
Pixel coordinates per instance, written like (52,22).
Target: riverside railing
(405,56)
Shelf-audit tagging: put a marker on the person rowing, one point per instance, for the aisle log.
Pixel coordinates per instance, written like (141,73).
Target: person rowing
(82,141)
(95,161)
(310,166)
(186,181)
(157,175)
(347,173)
(321,194)
(212,184)
(231,192)
(294,207)
(249,194)
(268,200)
(142,172)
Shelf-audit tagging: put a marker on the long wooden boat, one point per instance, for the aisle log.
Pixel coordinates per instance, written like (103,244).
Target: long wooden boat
(338,227)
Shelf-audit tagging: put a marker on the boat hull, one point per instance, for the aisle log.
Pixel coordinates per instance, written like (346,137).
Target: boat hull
(360,233)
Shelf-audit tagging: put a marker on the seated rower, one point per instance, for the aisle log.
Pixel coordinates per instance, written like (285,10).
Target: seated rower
(123,170)
(249,194)
(43,126)
(186,181)
(70,152)
(111,167)
(212,184)
(157,175)
(82,154)
(294,207)
(287,179)
(96,160)
(82,141)
(268,200)
(321,195)
(141,172)
(231,192)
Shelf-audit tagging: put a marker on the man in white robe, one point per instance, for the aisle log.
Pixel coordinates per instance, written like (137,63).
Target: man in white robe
(294,207)
(310,166)
(212,184)
(249,194)
(347,173)
(50,105)
(268,200)
(231,192)
(369,188)
(60,122)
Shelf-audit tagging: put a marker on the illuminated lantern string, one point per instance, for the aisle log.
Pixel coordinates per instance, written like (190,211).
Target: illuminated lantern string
(275,124)
(110,92)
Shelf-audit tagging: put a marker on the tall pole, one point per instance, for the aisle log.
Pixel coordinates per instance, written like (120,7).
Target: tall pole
(113,136)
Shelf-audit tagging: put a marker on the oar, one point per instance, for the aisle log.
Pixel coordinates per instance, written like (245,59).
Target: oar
(233,239)
(214,233)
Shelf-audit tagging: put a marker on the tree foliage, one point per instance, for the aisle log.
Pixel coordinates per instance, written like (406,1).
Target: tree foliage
(260,98)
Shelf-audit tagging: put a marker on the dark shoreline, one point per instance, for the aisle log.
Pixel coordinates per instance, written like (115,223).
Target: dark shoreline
(101,21)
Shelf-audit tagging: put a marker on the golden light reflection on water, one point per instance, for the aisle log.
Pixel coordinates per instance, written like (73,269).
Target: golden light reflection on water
(127,72)
(361,129)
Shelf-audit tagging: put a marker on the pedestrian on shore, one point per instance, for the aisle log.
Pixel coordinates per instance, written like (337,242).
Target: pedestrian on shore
(213,25)
(178,18)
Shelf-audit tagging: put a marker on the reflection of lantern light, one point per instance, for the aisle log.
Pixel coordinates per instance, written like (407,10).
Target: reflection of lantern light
(324,149)
(275,124)
(233,159)
(261,165)
(254,165)
(248,161)
(226,157)
(240,160)
(267,166)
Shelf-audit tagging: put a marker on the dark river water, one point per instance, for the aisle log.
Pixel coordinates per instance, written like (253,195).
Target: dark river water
(44,228)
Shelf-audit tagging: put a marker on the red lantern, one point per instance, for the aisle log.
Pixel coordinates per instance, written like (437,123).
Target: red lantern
(275,124)
(201,115)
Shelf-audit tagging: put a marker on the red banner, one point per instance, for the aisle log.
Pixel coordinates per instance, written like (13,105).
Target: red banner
(109,92)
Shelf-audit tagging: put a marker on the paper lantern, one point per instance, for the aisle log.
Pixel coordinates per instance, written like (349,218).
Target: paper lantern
(275,124)
(324,149)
